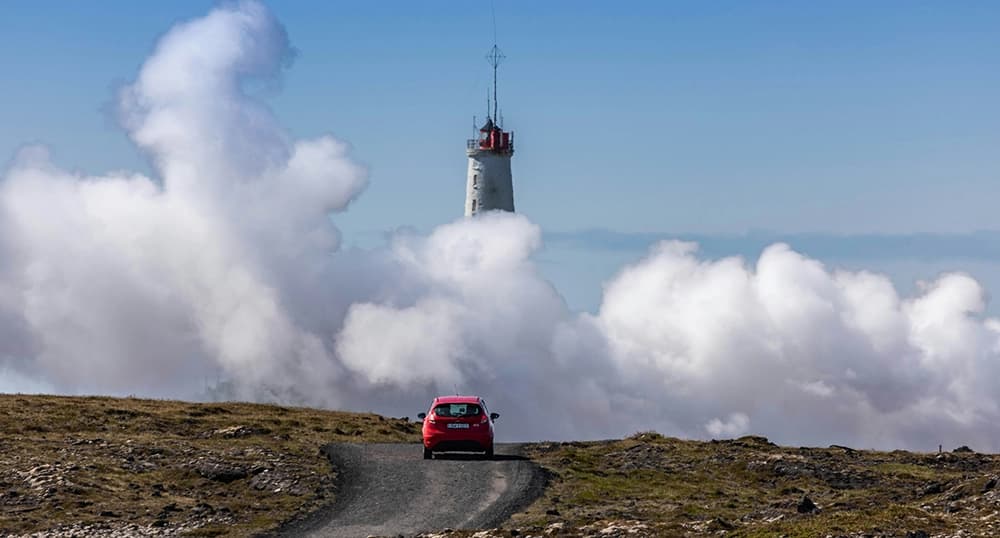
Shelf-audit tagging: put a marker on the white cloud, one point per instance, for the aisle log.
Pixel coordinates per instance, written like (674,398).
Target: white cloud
(225,266)
(735,425)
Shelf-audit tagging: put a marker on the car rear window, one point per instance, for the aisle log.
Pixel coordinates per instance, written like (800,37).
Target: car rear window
(457,410)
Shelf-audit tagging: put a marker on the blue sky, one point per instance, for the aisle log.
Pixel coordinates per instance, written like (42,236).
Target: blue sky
(746,120)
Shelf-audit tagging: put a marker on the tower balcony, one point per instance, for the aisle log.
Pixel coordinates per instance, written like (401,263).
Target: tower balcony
(496,142)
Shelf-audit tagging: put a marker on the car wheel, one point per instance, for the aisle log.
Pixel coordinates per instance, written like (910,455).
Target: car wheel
(489,452)
(428,454)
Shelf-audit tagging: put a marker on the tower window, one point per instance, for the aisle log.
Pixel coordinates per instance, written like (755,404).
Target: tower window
(473,205)
(475,179)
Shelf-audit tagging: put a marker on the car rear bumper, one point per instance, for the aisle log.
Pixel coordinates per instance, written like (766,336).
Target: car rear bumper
(449,441)
(460,446)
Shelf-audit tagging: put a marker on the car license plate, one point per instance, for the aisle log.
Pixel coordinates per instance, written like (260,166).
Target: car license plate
(458,425)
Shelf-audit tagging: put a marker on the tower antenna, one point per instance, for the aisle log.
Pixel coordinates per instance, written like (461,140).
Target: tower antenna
(493,12)
(494,58)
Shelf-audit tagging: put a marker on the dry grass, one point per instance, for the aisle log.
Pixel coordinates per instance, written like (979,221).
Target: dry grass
(750,487)
(239,469)
(202,469)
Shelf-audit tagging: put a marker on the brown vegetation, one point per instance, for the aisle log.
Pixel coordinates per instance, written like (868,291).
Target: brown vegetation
(657,486)
(142,467)
(102,465)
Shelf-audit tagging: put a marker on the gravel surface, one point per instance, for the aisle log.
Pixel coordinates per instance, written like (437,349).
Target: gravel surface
(389,489)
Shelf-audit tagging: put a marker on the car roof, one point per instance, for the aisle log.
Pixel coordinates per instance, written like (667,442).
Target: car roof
(456,399)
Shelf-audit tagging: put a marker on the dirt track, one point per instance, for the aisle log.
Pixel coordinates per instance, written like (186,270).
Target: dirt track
(389,489)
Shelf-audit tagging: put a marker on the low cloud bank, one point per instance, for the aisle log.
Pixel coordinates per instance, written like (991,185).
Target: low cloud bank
(225,267)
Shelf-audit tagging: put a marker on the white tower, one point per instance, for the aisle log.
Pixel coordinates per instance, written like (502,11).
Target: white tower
(489,184)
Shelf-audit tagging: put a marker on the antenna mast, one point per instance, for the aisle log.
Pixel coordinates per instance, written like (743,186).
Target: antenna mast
(494,58)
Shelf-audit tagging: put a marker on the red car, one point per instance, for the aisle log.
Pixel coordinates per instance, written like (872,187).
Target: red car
(458,424)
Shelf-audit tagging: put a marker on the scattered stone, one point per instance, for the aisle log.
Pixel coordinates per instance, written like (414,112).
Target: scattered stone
(990,484)
(239,431)
(552,512)
(720,524)
(754,440)
(220,472)
(202,508)
(917,534)
(933,489)
(555,528)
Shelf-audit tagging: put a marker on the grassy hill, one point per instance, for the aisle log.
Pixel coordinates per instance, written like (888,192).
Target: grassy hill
(658,486)
(148,466)
(92,465)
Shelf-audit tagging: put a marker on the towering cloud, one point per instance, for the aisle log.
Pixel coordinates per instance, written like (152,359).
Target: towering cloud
(224,267)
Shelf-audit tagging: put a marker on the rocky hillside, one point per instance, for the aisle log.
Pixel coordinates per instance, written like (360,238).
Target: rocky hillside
(649,485)
(130,467)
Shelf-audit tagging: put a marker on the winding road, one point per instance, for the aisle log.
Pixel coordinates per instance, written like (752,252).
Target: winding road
(389,489)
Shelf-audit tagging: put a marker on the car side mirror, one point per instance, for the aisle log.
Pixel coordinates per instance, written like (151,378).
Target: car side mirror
(494,416)
(422,416)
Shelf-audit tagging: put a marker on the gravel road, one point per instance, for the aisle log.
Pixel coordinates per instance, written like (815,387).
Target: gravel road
(389,489)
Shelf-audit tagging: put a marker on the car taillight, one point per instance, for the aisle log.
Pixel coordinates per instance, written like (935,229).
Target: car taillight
(484,420)
(430,419)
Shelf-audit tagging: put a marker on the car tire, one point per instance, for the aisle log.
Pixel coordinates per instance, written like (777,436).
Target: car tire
(428,454)
(489,452)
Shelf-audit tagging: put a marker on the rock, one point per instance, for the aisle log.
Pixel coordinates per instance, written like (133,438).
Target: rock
(720,524)
(917,534)
(933,489)
(552,512)
(963,450)
(753,440)
(239,431)
(555,528)
(959,492)
(806,505)
(990,484)
(220,472)
(202,508)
